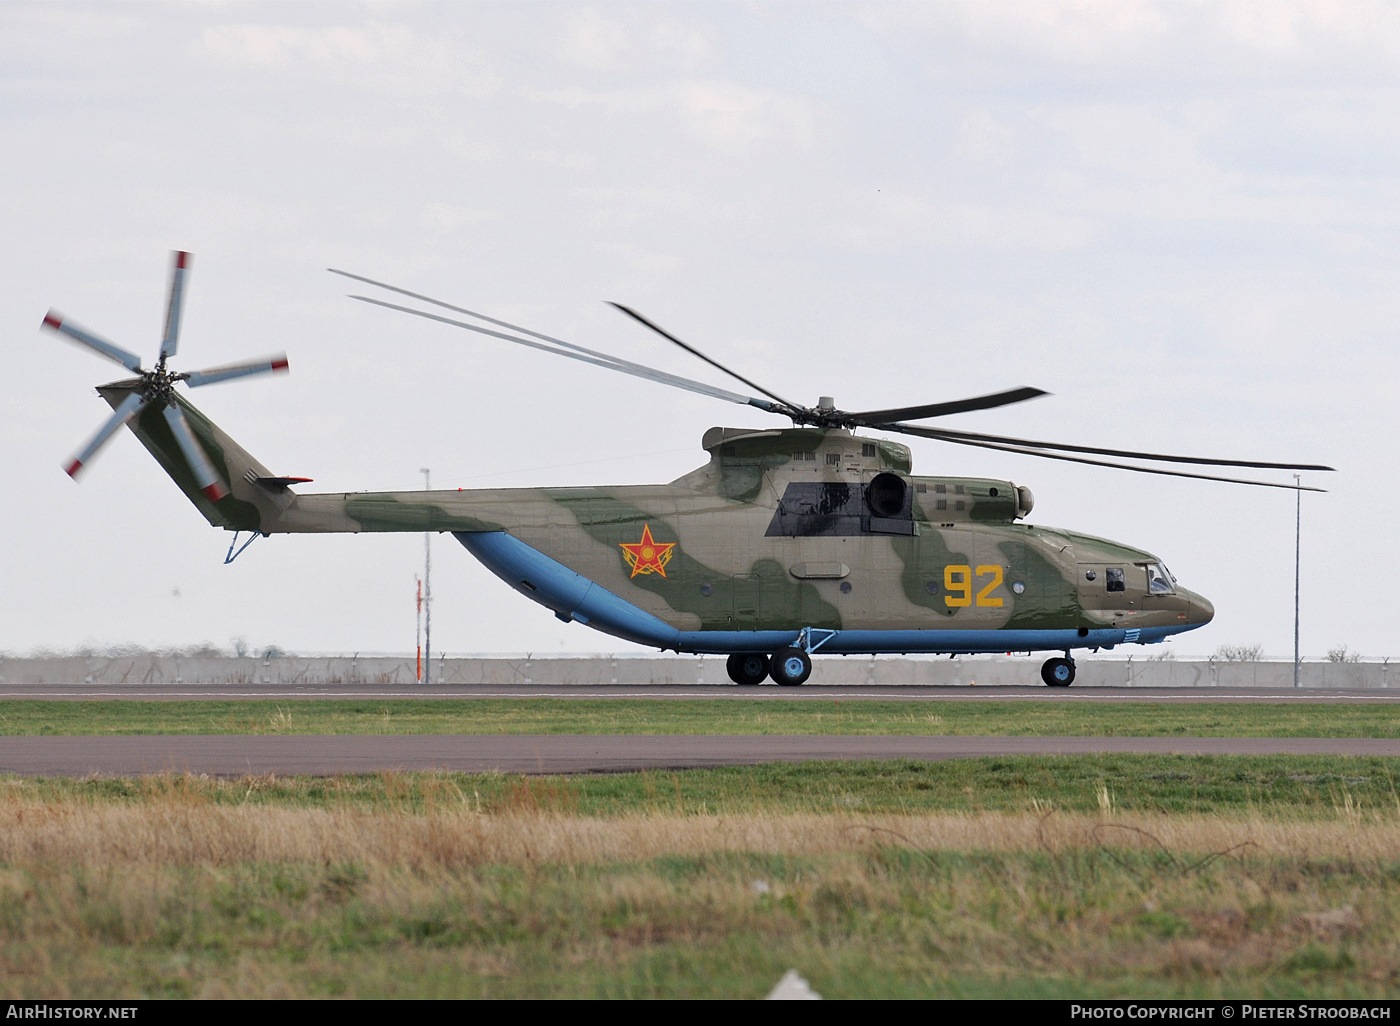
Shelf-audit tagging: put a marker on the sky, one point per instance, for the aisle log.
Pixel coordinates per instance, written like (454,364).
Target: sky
(1180,219)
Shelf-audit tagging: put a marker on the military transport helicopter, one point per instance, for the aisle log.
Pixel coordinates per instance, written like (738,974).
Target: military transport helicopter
(787,542)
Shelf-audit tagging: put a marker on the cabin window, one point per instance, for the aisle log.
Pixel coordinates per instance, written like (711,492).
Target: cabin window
(958,490)
(942,503)
(1159,580)
(867,450)
(921,488)
(941,489)
(960,504)
(833,459)
(1113,578)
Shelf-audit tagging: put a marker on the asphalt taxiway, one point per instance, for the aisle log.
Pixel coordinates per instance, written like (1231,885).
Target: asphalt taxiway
(809,692)
(320,755)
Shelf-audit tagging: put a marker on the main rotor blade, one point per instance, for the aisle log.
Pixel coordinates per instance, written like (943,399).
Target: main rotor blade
(870,418)
(583,355)
(235,370)
(125,411)
(471,313)
(53,319)
(205,476)
(170,338)
(959,439)
(1127,453)
(695,352)
(598,358)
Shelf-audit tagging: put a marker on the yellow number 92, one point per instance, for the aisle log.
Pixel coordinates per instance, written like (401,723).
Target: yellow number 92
(958,581)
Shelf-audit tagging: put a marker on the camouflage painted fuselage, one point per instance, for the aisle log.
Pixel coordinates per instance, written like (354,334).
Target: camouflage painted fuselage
(779,532)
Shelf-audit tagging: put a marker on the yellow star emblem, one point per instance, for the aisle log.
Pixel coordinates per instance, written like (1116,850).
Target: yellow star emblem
(648,555)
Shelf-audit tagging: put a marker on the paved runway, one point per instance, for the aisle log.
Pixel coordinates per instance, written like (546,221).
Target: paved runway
(819,692)
(235,755)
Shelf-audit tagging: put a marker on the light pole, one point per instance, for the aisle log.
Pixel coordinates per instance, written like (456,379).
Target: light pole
(427,590)
(1297,567)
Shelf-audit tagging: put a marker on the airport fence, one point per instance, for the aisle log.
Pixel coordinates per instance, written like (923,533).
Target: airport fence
(319,671)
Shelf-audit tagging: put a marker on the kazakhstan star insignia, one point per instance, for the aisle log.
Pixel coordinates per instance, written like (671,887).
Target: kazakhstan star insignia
(647,556)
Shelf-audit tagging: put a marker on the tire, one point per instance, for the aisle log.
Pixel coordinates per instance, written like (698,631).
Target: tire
(1058,672)
(790,667)
(747,667)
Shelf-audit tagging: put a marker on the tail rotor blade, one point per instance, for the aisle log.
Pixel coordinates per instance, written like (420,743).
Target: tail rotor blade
(270,364)
(170,339)
(54,320)
(205,476)
(123,414)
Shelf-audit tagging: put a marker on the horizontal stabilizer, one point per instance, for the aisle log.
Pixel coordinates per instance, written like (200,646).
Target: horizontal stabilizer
(277,483)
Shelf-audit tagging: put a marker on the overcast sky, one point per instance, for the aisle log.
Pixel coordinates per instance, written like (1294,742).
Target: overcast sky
(1180,219)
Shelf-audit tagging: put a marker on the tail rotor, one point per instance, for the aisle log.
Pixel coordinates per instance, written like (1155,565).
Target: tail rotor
(157,387)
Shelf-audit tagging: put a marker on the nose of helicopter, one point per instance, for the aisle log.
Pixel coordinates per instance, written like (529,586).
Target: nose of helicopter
(1199,611)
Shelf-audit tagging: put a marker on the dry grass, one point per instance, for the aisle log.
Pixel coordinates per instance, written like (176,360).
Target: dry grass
(206,834)
(169,888)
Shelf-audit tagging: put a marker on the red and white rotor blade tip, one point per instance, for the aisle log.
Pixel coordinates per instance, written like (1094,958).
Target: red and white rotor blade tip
(111,350)
(170,339)
(205,476)
(266,365)
(125,412)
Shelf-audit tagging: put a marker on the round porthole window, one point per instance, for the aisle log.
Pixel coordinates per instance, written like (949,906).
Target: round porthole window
(1019,588)
(993,492)
(1089,575)
(707,588)
(845,587)
(931,587)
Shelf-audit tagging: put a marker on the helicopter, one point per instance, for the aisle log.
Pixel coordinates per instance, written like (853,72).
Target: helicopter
(788,542)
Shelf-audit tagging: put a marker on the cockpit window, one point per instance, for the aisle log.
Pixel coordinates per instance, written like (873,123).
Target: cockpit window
(1113,578)
(1159,580)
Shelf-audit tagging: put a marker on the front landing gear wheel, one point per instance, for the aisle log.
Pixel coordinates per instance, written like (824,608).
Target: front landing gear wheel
(1058,673)
(790,667)
(747,667)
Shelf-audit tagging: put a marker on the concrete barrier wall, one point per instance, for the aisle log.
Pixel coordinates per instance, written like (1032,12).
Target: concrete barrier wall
(293,670)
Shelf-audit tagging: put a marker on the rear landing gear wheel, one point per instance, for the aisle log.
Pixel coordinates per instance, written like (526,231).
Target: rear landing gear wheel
(747,667)
(1058,672)
(790,667)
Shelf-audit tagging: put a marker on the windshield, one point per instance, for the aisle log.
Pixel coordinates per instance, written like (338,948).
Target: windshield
(1159,580)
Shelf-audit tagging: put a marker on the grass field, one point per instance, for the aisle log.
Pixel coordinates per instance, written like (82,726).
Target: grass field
(1271,786)
(701,716)
(1115,876)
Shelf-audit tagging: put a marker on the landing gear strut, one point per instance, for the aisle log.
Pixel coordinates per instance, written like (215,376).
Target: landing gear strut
(1058,672)
(747,667)
(790,667)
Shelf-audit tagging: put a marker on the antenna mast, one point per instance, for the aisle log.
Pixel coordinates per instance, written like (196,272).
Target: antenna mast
(427,591)
(1297,568)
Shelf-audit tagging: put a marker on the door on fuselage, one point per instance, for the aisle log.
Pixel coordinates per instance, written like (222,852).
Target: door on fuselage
(748,601)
